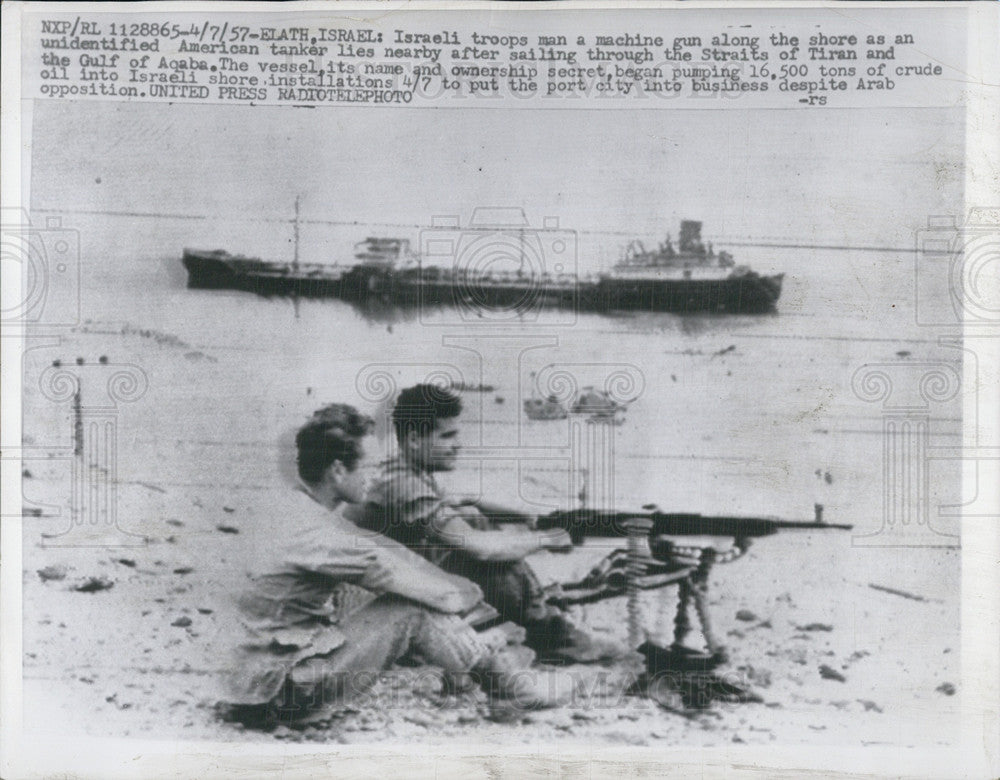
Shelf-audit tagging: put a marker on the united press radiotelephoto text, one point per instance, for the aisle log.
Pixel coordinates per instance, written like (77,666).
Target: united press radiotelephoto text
(217,59)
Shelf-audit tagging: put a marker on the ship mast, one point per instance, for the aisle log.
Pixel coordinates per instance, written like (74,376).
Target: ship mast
(520,244)
(295,228)
(295,258)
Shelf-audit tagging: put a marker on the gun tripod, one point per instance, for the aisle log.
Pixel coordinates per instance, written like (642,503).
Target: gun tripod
(678,677)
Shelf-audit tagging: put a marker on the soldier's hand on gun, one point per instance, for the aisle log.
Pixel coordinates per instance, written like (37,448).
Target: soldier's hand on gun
(556,540)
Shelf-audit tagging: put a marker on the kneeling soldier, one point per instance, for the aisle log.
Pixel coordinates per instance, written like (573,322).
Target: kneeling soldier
(337,605)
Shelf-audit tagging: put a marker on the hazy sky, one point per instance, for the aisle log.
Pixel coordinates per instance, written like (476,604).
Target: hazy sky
(846,176)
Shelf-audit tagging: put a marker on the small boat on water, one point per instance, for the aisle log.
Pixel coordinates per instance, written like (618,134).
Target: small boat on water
(545,409)
(597,405)
(596,402)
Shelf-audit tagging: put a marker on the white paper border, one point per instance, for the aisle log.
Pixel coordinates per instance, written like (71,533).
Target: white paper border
(977,756)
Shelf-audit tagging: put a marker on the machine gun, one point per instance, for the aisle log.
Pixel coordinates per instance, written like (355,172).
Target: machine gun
(604,523)
(656,544)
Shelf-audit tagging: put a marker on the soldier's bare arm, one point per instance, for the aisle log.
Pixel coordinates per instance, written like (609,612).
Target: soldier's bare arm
(499,545)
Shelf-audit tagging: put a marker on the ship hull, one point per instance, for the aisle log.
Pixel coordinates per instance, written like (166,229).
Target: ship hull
(365,285)
(746,293)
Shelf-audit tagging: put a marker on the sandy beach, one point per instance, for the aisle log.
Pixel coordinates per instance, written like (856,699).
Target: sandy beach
(131,640)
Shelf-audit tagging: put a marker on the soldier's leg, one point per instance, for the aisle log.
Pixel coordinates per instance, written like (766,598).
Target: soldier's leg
(493,659)
(387,629)
(508,586)
(374,638)
(517,593)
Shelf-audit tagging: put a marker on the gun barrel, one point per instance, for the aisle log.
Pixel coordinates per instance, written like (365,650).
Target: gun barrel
(811,525)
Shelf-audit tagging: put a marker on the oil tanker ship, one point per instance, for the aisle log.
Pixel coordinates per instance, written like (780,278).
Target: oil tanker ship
(690,277)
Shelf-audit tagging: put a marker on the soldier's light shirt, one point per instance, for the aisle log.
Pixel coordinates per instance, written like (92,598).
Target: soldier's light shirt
(288,609)
(408,505)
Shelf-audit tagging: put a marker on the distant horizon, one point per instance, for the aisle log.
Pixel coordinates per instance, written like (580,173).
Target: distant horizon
(833,178)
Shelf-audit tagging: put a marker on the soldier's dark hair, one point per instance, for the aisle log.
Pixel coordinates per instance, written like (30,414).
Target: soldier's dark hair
(333,433)
(421,406)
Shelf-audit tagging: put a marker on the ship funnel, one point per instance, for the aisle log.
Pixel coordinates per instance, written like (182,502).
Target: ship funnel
(690,235)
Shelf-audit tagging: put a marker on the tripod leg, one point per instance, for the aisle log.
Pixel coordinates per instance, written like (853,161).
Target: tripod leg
(699,594)
(638,533)
(682,622)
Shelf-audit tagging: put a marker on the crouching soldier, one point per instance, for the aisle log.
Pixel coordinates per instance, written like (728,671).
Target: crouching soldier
(335,605)
(406,503)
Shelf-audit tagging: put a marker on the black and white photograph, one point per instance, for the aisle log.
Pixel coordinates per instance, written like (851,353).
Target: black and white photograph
(500,389)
